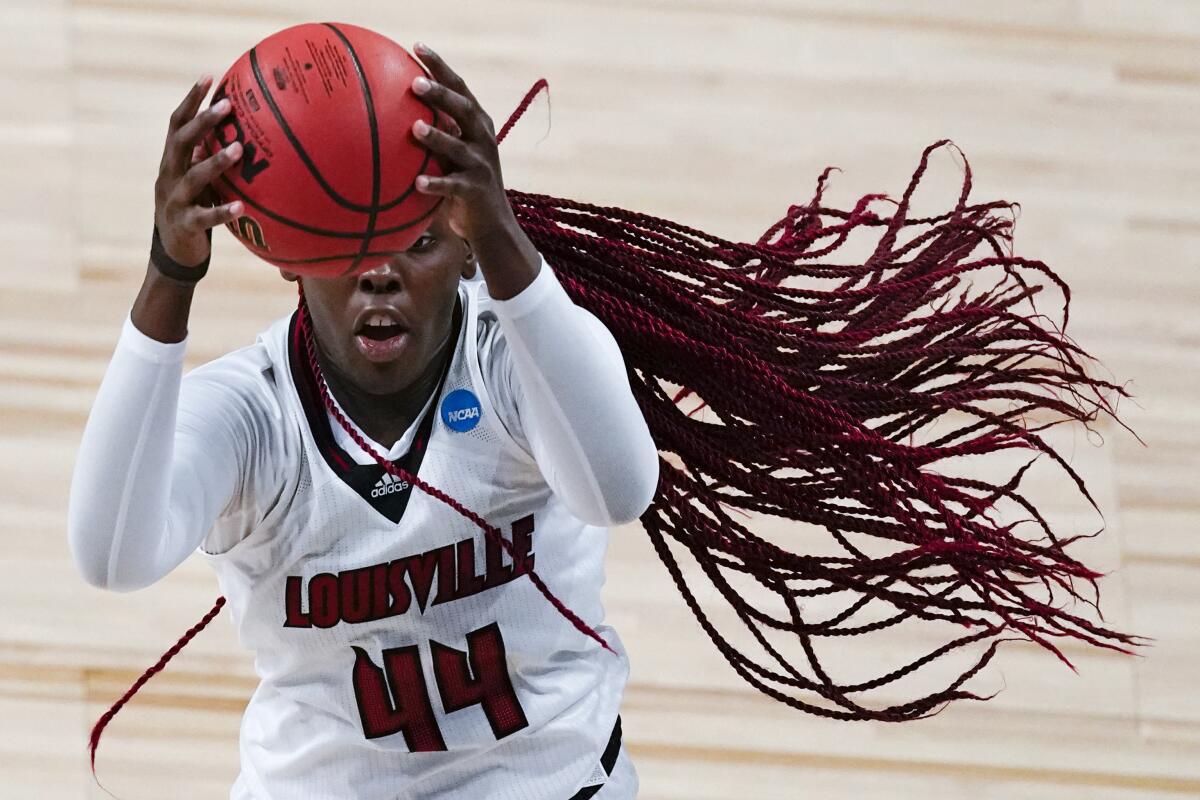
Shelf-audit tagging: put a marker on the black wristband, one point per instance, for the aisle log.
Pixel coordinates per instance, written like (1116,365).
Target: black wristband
(172,268)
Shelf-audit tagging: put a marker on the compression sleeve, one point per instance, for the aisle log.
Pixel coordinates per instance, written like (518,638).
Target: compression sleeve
(150,479)
(574,403)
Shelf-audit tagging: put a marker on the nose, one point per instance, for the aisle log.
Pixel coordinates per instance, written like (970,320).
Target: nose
(384,279)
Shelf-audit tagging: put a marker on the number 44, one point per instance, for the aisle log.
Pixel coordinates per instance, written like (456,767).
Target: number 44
(476,677)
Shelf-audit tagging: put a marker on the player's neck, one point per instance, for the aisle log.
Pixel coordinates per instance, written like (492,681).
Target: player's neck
(385,418)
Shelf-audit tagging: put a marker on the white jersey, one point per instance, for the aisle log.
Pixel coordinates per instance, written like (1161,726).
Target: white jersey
(401,653)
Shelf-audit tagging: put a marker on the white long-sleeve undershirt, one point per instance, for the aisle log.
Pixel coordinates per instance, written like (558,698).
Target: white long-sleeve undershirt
(164,455)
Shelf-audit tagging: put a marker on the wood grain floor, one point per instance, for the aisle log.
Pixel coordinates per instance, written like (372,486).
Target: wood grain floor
(719,114)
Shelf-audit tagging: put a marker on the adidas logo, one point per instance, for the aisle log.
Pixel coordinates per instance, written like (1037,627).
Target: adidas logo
(387,485)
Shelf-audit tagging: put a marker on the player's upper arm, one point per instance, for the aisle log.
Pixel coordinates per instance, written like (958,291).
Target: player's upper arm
(236,414)
(162,458)
(496,366)
(568,401)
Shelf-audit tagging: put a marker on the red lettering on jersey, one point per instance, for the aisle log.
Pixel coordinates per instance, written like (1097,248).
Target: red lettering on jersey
(380,602)
(401,597)
(522,542)
(323,607)
(405,709)
(498,573)
(476,677)
(354,589)
(379,591)
(295,618)
(479,677)
(468,582)
(446,576)
(420,574)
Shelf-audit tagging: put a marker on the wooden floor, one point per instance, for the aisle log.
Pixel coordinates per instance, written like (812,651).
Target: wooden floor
(719,114)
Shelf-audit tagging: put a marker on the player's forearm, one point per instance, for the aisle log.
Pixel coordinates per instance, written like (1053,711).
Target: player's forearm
(582,421)
(124,528)
(162,307)
(508,259)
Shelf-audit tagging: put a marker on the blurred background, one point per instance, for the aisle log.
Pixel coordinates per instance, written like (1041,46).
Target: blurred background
(718,114)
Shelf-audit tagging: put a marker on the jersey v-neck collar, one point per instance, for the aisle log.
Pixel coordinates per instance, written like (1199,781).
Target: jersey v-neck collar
(360,456)
(384,492)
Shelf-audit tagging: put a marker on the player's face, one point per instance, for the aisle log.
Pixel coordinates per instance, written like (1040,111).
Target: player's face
(381,329)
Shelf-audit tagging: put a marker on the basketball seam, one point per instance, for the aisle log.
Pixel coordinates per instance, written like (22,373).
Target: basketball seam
(373,214)
(309,164)
(320,231)
(319,259)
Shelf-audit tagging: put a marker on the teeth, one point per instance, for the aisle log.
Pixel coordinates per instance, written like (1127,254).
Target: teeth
(378,319)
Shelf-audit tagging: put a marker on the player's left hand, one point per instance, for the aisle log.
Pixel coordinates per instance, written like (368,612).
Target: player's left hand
(467,151)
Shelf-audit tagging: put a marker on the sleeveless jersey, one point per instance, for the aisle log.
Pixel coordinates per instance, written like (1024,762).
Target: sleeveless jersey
(400,653)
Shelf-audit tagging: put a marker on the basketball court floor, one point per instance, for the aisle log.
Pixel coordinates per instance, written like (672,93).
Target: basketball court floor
(718,114)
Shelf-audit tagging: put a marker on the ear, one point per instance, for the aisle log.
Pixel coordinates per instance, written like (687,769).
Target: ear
(290,277)
(469,264)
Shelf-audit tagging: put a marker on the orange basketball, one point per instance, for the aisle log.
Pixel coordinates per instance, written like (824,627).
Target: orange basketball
(324,112)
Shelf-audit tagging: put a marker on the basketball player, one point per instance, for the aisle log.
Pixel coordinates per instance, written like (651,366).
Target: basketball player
(401,653)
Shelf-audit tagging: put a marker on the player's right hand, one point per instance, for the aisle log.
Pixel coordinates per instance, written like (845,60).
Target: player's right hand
(185,205)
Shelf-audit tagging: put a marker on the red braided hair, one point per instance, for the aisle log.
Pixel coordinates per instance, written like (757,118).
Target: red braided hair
(836,379)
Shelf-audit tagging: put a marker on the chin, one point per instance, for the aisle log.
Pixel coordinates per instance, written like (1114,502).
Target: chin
(381,378)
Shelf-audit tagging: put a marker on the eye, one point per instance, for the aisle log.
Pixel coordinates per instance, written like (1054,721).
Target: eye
(424,242)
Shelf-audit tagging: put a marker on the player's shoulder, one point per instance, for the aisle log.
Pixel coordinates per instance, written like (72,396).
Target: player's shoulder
(478,303)
(489,336)
(477,290)
(496,372)
(248,376)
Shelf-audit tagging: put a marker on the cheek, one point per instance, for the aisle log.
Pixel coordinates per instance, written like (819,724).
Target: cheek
(327,305)
(332,331)
(433,294)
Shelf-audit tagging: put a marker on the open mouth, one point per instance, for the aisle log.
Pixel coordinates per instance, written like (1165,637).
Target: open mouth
(380,333)
(380,337)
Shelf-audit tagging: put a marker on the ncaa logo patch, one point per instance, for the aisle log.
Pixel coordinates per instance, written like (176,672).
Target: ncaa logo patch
(461,410)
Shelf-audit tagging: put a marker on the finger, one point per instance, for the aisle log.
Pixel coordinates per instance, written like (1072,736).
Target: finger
(441,71)
(190,134)
(478,122)
(198,155)
(179,117)
(442,143)
(447,185)
(459,108)
(445,122)
(201,217)
(191,101)
(204,173)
